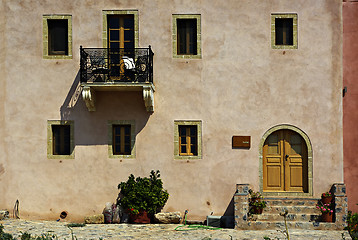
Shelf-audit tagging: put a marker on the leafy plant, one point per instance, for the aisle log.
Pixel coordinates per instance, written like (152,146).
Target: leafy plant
(326,194)
(325,207)
(256,201)
(4,236)
(139,193)
(352,225)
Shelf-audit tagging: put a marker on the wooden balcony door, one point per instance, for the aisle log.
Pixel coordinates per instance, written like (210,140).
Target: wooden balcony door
(120,42)
(285,163)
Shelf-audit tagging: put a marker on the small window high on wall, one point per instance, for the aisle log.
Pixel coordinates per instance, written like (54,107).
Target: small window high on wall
(57,36)
(284,31)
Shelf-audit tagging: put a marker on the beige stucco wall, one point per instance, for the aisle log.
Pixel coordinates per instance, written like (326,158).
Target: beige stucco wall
(240,86)
(2,100)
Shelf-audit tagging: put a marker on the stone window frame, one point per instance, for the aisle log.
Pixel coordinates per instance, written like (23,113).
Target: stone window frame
(105,14)
(45,19)
(50,154)
(110,138)
(178,123)
(309,161)
(294,16)
(198,35)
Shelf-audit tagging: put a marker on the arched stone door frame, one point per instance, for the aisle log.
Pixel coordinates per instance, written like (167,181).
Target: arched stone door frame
(309,163)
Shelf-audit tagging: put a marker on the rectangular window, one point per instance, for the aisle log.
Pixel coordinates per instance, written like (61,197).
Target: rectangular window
(187,139)
(61,139)
(57,36)
(186,36)
(121,139)
(284,31)
(188,142)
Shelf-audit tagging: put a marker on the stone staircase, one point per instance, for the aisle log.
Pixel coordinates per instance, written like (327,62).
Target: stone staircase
(302,212)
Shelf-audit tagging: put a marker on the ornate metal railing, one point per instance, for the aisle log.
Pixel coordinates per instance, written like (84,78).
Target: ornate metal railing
(116,65)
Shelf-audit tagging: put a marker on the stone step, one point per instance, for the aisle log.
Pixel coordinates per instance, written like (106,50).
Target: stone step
(275,201)
(290,217)
(280,225)
(292,209)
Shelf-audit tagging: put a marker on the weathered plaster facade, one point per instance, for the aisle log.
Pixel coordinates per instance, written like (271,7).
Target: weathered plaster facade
(239,86)
(350,100)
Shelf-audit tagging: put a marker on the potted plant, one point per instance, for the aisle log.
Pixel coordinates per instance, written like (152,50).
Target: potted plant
(326,210)
(327,197)
(142,197)
(352,225)
(256,202)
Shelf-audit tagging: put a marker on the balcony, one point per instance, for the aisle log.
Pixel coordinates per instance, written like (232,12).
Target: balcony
(108,69)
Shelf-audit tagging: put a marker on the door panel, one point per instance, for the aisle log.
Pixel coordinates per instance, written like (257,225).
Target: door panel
(120,42)
(285,162)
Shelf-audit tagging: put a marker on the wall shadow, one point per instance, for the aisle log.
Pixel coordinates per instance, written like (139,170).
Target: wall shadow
(91,128)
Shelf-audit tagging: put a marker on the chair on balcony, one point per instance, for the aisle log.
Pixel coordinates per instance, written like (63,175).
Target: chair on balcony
(97,66)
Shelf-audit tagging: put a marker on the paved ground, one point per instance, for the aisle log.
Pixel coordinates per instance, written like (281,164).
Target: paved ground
(155,231)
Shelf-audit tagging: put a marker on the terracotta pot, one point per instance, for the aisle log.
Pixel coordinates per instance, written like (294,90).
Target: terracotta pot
(327,199)
(327,217)
(256,210)
(141,217)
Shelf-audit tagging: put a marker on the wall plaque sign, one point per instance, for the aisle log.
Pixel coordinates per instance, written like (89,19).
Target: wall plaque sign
(241,141)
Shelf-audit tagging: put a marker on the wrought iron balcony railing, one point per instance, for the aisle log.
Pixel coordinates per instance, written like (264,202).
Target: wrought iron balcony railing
(116,65)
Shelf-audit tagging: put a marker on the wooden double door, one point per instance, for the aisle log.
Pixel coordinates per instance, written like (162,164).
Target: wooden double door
(285,165)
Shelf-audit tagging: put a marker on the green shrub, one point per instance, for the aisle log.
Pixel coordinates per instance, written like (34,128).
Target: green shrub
(147,194)
(352,225)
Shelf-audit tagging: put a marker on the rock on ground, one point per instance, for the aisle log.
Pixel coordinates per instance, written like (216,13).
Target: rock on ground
(170,217)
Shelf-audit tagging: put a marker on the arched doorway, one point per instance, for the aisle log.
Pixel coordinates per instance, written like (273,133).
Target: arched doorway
(286,161)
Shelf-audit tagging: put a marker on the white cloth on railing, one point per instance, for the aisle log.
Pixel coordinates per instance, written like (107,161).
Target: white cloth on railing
(128,62)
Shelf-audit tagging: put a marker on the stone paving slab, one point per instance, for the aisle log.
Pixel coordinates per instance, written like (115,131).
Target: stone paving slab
(156,232)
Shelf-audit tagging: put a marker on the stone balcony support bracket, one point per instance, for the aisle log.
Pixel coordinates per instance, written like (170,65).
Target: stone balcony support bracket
(88,96)
(89,90)
(148,98)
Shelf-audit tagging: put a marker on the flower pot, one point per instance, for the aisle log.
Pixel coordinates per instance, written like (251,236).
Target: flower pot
(327,217)
(327,199)
(256,210)
(141,217)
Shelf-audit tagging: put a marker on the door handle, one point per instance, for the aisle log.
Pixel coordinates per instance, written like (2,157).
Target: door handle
(286,157)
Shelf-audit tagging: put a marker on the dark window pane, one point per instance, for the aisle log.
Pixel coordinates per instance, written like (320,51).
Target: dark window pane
(182,130)
(114,35)
(183,149)
(129,35)
(57,37)
(194,150)
(284,31)
(61,139)
(116,130)
(193,140)
(129,22)
(183,140)
(129,45)
(114,45)
(127,139)
(186,33)
(127,149)
(127,130)
(193,131)
(113,22)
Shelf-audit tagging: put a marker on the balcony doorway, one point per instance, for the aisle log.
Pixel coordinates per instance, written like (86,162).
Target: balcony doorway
(121,45)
